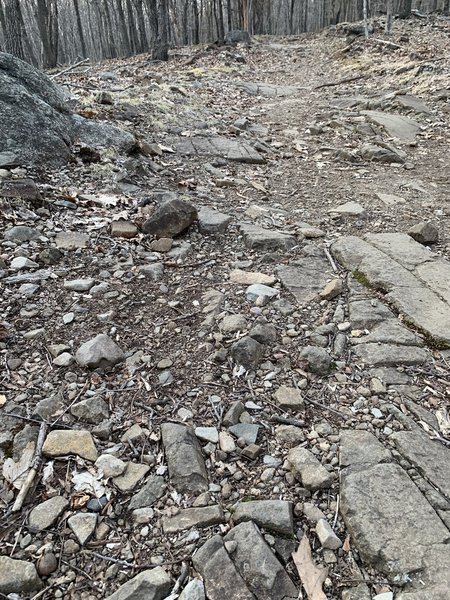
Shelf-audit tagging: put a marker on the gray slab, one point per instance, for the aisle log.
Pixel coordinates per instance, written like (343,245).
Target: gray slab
(397,126)
(388,355)
(361,448)
(305,281)
(230,149)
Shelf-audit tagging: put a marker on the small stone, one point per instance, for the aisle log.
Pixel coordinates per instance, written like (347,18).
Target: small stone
(275,515)
(162,245)
(264,333)
(99,352)
(226,442)
(289,398)
(350,209)
(233,414)
(170,218)
(153,584)
(212,222)
(308,469)
(193,517)
(385,596)
(332,289)
(21,233)
(289,434)
(83,526)
(143,515)
(68,318)
(150,492)
(251,278)
(207,434)
(57,349)
(110,465)
(21,262)
(124,229)
(18,577)
(134,434)
(247,431)
(317,359)
(195,590)
(62,442)
(155,271)
(312,513)
(247,352)
(257,290)
(233,323)
(252,451)
(92,410)
(131,476)
(64,360)
(424,233)
(47,564)
(46,513)
(71,240)
(327,537)
(164,363)
(79,285)
(50,256)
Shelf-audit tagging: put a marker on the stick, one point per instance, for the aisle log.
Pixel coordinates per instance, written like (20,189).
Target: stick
(181,579)
(81,62)
(34,469)
(385,42)
(287,421)
(345,80)
(130,565)
(331,260)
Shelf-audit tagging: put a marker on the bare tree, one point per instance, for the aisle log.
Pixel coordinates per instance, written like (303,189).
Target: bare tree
(389,16)
(15,33)
(47,21)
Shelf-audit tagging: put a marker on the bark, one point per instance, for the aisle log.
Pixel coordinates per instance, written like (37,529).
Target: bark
(15,31)
(47,21)
(389,16)
(160,50)
(125,42)
(142,35)
(131,27)
(76,7)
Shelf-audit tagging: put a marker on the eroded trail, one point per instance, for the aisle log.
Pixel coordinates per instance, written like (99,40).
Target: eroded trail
(237,336)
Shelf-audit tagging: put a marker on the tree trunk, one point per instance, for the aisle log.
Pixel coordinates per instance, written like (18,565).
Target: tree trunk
(160,49)
(125,42)
(47,21)
(15,32)
(142,35)
(131,27)
(389,16)
(405,9)
(76,6)
(2,20)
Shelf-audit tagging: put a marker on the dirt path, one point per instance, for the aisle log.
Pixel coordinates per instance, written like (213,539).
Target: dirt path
(273,374)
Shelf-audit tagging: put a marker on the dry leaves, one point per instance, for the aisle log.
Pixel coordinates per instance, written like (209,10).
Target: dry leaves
(16,472)
(312,577)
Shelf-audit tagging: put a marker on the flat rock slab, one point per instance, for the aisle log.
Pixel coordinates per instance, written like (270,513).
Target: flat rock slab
(415,278)
(233,150)
(267,240)
(212,222)
(390,355)
(45,514)
(150,492)
(154,584)
(275,515)
(61,442)
(193,517)
(390,521)
(18,576)
(258,566)
(268,90)
(361,448)
(397,126)
(305,280)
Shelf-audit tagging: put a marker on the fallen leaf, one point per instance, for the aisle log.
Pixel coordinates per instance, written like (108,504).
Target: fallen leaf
(16,472)
(443,420)
(312,577)
(346,544)
(2,399)
(259,187)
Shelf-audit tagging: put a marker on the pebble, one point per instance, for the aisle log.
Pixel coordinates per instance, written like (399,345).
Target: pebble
(327,537)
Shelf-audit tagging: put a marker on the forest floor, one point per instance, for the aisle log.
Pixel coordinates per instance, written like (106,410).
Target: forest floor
(300,119)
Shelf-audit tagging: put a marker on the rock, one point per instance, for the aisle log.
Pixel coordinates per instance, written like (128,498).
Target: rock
(18,576)
(361,448)
(397,126)
(252,451)
(327,537)
(233,413)
(275,515)
(251,277)
(307,469)
(154,272)
(21,262)
(92,410)
(71,240)
(150,492)
(222,579)
(21,233)
(195,590)
(226,442)
(26,189)
(382,154)
(62,442)
(312,513)
(193,517)
(266,240)
(359,592)
(83,526)
(47,564)
(306,278)
(267,90)
(123,229)
(131,476)
(247,352)
(143,515)
(153,584)
(99,352)
(257,290)
(133,434)
(50,256)
(79,285)
(184,458)
(170,218)
(247,431)
(385,355)
(161,245)
(289,398)
(45,514)
(233,323)
(257,564)
(64,360)
(317,359)
(384,596)
(289,434)
(332,289)
(233,150)
(110,465)
(264,333)
(424,233)
(349,209)
(212,222)
(207,434)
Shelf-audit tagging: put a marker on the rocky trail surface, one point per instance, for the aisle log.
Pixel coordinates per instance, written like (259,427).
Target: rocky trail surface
(224,357)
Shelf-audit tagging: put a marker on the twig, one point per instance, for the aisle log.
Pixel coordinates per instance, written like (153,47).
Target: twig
(71,404)
(345,80)
(81,62)
(331,260)
(385,42)
(34,469)
(324,407)
(337,511)
(181,579)
(125,563)
(287,421)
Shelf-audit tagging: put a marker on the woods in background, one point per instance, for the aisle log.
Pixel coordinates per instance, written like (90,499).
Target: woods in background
(51,32)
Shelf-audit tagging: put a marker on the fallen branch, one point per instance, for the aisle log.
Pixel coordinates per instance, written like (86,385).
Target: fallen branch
(287,421)
(33,471)
(345,80)
(331,260)
(81,62)
(386,43)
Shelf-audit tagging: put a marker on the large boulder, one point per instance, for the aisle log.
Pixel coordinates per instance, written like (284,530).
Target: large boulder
(36,121)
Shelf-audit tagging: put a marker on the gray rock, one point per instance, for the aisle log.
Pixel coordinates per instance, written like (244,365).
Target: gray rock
(150,492)
(222,580)
(397,126)
(233,150)
(110,465)
(92,410)
(193,517)
(264,333)
(307,469)
(212,221)
(367,313)
(258,566)
(83,526)
(247,352)
(389,332)
(154,272)
(18,576)
(381,154)
(131,476)
(170,218)
(267,90)
(233,414)
(289,398)
(153,584)
(259,290)
(275,515)
(306,278)
(21,262)
(50,256)
(207,434)
(424,233)
(49,407)
(289,434)
(123,229)
(361,448)
(79,285)
(21,233)
(385,355)
(327,538)
(248,431)
(71,240)
(62,442)
(233,323)
(317,359)
(184,458)
(46,513)
(195,590)
(312,513)
(349,209)
(99,352)
(64,360)
(266,240)
(359,592)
